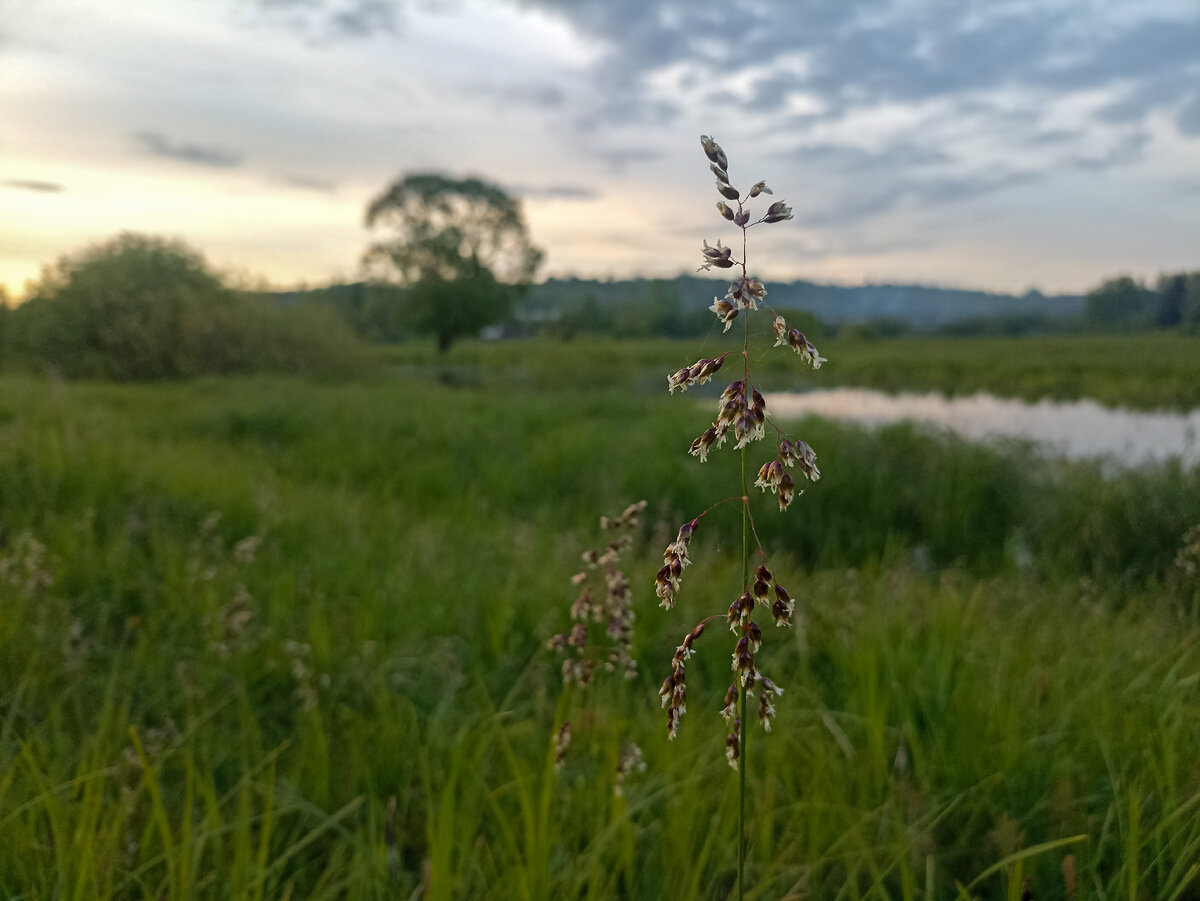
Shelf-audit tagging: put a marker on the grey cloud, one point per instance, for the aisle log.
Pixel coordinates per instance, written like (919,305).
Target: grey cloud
(898,156)
(310,183)
(1143,98)
(554,192)
(771,92)
(643,37)
(856,246)
(31,184)
(623,106)
(619,159)
(717,99)
(908,174)
(1054,136)
(545,96)
(325,20)
(859,55)
(215,157)
(1127,150)
(1188,119)
(1144,50)
(954,188)
(364,18)
(865,54)
(921,192)
(866,183)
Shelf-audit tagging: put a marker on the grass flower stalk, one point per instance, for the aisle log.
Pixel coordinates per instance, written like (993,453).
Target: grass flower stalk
(741,414)
(604,600)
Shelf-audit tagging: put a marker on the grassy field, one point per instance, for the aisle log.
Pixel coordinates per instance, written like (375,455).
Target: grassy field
(1139,371)
(1146,371)
(275,638)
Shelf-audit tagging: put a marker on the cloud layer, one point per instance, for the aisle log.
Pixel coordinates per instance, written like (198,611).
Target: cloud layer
(994,144)
(198,155)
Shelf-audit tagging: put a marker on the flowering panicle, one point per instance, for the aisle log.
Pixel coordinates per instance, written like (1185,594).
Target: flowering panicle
(766,707)
(744,413)
(794,338)
(604,599)
(743,294)
(1187,560)
(607,602)
(675,558)
(742,416)
(696,374)
(630,761)
(673,693)
(562,741)
(773,477)
(746,292)
(729,711)
(777,212)
(718,256)
(798,452)
(725,311)
(733,745)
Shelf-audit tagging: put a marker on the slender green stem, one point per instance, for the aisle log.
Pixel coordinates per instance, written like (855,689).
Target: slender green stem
(742,719)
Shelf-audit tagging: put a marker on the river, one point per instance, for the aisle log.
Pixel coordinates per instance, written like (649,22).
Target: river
(1076,429)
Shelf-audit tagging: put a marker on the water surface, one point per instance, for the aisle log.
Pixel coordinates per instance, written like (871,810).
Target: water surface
(1076,429)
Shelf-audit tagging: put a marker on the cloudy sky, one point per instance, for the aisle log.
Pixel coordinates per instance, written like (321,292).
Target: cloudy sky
(990,144)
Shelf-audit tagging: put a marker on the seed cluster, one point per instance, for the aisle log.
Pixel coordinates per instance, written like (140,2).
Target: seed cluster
(696,374)
(604,598)
(675,558)
(794,338)
(742,415)
(773,477)
(609,603)
(674,689)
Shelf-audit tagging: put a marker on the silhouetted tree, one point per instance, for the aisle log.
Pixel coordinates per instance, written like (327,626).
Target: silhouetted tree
(3,327)
(1172,294)
(1120,303)
(1191,302)
(461,246)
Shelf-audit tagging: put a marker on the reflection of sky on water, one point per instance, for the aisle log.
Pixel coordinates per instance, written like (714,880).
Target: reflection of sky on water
(1076,429)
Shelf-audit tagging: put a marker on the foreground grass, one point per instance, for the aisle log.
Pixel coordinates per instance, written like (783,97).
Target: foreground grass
(189,713)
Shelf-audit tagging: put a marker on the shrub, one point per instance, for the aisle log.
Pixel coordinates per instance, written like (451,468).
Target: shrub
(139,307)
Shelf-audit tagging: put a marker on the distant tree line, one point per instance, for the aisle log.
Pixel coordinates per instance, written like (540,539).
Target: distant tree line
(458,260)
(376,311)
(653,312)
(1125,304)
(646,308)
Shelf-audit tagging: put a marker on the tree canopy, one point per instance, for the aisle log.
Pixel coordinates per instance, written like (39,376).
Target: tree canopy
(1124,304)
(461,246)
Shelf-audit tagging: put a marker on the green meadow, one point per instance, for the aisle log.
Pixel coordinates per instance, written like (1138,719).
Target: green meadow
(1143,371)
(271,637)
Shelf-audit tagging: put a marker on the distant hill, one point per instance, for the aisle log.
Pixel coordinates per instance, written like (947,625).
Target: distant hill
(678,307)
(919,307)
